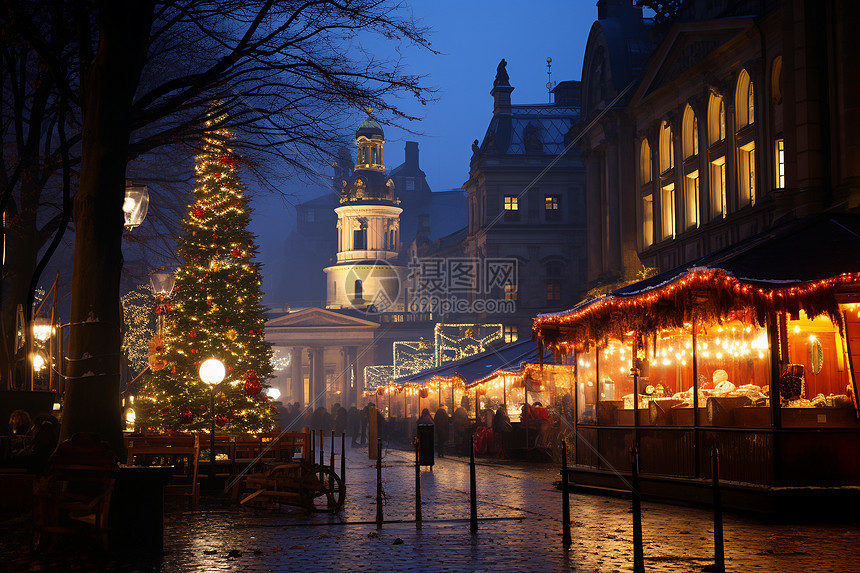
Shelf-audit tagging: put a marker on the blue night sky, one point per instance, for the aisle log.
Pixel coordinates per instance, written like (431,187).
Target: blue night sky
(472,36)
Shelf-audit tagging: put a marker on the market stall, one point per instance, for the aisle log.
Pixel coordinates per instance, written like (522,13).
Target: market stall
(752,351)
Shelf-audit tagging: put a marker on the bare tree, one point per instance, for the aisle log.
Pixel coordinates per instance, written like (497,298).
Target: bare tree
(281,74)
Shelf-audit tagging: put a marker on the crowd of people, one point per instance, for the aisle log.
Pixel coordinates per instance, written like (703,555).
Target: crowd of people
(492,430)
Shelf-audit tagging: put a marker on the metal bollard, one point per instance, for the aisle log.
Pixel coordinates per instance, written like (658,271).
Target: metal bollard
(331,464)
(379,483)
(719,550)
(418,483)
(343,458)
(322,448)
(473,495)
(638,554)
(565,499)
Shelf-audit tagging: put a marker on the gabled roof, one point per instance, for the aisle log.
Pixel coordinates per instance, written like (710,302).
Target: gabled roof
(319,318)
(688,45)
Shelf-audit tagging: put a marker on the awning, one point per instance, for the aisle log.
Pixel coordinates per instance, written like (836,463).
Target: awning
(799,265)
(480,366)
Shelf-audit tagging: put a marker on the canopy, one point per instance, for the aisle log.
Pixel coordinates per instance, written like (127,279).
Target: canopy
(799,265)
(480,366)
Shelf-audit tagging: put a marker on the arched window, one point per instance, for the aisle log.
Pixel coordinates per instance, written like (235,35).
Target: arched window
(667,152)
(645,166)
(358,290)
(716,119)
(691,133)
(745,116)
(744,101)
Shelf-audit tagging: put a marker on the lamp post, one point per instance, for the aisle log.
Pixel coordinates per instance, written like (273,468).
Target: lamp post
(212,372)
(162,286)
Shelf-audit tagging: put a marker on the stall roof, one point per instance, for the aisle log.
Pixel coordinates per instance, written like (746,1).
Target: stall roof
(797,265)
(479,366)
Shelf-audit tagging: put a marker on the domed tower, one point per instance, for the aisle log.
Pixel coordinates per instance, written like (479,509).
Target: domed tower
(368,233)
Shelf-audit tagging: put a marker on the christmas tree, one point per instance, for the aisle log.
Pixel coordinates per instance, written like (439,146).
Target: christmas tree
(215,312)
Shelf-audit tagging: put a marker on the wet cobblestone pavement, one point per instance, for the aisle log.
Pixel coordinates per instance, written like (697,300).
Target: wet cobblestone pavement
(519,512)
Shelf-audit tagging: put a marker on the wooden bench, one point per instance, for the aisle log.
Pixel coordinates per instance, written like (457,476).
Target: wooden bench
(181,451)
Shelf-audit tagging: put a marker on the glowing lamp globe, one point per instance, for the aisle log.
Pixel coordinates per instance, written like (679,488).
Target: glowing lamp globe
(135,205)
(212,371)
(273,393)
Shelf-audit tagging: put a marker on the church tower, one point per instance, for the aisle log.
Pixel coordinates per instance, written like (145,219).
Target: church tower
(366,276)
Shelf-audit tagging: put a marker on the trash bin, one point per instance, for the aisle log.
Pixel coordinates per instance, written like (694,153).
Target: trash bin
(425,445)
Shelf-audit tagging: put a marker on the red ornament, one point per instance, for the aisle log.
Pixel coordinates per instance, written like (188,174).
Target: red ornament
(253,387)
(186,416)
(221,420)
(192,334)
(165,411)
(203,407)
(224,227)
(198,212)
(251,242)
(236,253)
(193,351)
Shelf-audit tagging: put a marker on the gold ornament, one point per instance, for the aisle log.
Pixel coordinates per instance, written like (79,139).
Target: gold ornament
(231,334)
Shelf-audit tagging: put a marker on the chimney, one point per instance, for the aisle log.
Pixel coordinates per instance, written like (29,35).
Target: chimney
(501,91)
(412,154)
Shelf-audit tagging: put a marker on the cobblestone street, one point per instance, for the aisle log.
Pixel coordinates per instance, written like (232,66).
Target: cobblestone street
(519,512)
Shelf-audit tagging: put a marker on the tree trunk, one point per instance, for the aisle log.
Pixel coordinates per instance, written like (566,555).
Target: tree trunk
(92,402)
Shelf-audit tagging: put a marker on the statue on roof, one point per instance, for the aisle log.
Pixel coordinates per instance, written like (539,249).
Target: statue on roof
(502,74)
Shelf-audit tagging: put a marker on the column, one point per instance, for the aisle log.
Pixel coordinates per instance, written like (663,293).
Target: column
(350,380)
(318,373)
(297,379)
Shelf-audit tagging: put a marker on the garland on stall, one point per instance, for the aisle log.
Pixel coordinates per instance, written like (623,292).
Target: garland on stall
(706,295)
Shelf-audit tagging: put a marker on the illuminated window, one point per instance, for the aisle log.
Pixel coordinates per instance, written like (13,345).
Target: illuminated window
(691,200)
(691,133)
(645,162)
(716,119)
(667,151)
(510,291)
(780,163)
(510,333)
(667,208)
(718,188)
(647,221)
(744,101)
(551,207)
(512,208)
(746,175)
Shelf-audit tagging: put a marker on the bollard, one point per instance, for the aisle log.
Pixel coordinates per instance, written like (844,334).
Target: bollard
(719,551)
(331,464)
(638,555)
(473,496)
(418,483)
(343,458)
(322,448)
(565,499)
(312,447)
(379,483)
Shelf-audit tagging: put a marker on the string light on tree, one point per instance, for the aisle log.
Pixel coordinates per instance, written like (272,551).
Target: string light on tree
(217,309)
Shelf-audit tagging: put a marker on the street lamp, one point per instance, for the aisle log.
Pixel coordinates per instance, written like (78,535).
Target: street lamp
(135,205)
(212,372)
(162,286)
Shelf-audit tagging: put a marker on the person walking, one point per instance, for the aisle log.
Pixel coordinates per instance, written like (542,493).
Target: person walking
(502,429)
(443,426)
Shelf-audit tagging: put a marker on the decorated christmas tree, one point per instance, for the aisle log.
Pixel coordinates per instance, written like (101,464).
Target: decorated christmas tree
(215,312)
